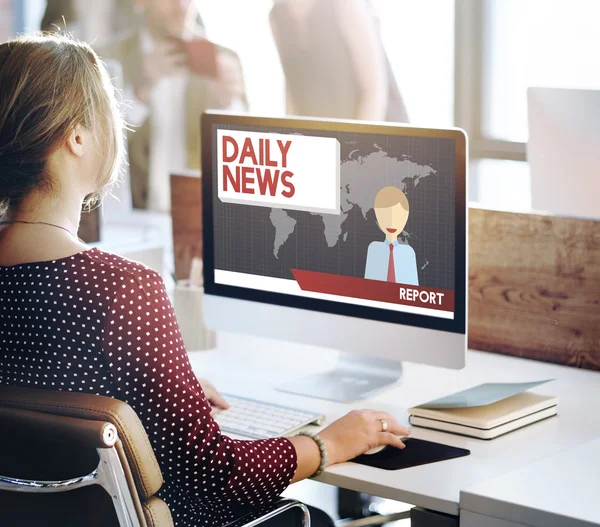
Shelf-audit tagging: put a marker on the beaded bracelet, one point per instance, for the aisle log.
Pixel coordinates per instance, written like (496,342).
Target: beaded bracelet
(322,450)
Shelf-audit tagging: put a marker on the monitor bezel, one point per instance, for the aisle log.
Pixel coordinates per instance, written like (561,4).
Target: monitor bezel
(456,325)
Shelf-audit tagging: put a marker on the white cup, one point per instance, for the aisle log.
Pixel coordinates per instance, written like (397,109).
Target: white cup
(189,310)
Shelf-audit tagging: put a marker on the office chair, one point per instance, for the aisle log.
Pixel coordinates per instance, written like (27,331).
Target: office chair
(87,456)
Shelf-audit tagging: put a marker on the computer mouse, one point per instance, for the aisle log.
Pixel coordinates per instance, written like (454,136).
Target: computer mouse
(377,449)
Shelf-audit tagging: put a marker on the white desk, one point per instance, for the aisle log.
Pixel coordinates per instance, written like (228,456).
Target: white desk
(554,492)
(253,367)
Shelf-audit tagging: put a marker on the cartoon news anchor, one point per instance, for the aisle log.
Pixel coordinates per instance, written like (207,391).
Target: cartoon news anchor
(390,261)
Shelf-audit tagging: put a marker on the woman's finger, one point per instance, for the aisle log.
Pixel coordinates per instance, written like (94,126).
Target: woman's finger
(388,438)
(393,425)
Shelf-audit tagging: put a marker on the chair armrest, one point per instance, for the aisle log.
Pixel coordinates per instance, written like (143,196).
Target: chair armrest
(82,432)
(271,511)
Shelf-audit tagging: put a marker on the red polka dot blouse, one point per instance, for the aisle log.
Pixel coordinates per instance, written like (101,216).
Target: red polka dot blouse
(98,323)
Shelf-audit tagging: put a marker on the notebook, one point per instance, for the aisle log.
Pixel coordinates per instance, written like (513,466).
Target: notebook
(484,421)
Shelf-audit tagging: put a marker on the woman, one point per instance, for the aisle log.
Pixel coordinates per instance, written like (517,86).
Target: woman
(80,319)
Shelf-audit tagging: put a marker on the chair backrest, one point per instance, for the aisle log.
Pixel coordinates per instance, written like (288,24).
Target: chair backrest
(63,441)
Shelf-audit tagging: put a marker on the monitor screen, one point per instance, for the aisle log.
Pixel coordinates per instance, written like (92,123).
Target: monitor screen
(365,221)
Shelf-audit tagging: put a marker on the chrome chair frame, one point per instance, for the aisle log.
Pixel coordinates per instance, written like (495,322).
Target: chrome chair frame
(271,511)
(108,474)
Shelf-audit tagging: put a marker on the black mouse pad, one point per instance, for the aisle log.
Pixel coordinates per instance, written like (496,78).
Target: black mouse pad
(417,452)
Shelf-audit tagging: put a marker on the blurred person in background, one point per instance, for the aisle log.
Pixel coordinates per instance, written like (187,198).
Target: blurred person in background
(167,87)
(334,61)
(89,21)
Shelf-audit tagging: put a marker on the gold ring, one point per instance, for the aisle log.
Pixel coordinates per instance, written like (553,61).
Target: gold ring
(383,425)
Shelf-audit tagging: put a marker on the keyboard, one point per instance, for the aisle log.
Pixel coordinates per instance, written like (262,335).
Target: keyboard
(259,420)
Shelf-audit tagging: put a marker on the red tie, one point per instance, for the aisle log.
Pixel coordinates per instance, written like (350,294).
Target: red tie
(391,277)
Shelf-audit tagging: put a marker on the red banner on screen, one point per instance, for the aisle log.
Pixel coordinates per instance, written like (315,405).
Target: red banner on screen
(408,295)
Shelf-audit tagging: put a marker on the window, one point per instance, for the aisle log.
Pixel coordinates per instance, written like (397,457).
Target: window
(501,184)
(502,48)
(553,43)
(32,12)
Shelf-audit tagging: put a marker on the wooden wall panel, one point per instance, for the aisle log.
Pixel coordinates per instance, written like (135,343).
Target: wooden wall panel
(534,287)
(186,211)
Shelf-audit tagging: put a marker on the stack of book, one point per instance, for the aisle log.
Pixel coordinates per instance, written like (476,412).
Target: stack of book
(486,411)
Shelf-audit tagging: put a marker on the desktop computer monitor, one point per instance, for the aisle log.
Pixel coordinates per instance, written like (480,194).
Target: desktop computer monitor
(563,151)
(338,234)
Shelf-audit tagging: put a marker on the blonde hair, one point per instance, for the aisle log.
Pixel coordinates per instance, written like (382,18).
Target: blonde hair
(390,196)
(49,85)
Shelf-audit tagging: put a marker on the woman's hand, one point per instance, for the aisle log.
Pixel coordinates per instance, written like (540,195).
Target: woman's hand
(213,396)
(359,431)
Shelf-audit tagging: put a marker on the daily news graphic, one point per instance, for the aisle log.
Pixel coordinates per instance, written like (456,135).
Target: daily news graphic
(356,218)
(284,171)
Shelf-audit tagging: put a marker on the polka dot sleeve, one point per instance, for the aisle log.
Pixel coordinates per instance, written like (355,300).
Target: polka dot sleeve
(152,373)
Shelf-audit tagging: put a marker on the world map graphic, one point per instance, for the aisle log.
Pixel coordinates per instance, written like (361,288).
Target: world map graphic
(357,191)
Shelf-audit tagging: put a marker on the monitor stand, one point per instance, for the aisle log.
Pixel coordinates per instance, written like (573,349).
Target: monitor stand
(354,377)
